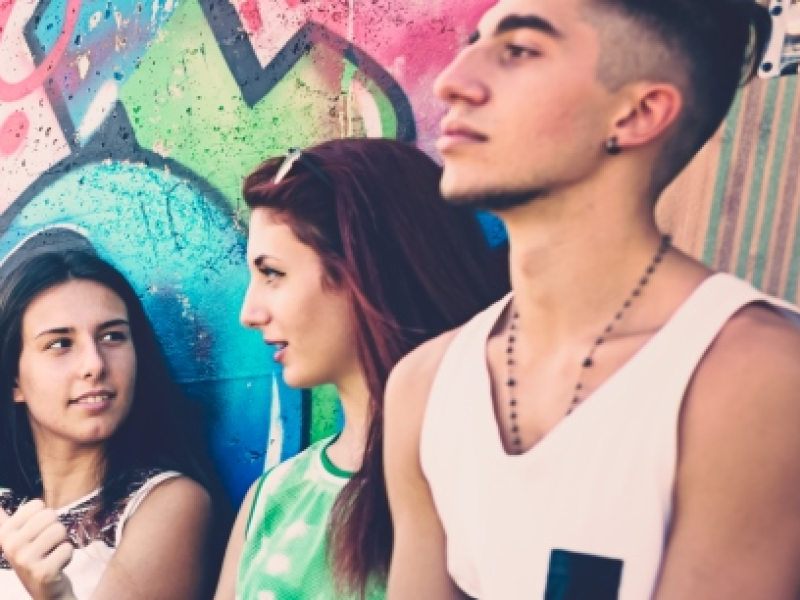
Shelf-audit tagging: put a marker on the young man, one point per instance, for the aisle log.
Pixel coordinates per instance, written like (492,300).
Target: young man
(627,424)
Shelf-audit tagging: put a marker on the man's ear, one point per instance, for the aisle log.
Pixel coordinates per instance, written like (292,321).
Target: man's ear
(650,110)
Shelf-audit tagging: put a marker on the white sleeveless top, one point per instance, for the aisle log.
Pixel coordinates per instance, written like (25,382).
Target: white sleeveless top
(89,561)
(584,513)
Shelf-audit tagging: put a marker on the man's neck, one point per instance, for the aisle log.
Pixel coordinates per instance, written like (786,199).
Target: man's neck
(573,263)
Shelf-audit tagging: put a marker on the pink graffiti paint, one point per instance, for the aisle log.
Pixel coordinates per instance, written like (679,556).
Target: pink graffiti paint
(413,41)
(251,15)
(13,132)
(13,91)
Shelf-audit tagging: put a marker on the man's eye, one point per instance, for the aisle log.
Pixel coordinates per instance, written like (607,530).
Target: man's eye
(515,51)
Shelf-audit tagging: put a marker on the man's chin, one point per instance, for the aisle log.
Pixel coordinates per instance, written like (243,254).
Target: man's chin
(487,200)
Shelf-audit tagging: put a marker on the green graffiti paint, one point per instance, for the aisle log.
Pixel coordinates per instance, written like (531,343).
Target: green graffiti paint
(192,108)
(188,105)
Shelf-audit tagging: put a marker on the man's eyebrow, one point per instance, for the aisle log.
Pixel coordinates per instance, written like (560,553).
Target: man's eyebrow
(512,22)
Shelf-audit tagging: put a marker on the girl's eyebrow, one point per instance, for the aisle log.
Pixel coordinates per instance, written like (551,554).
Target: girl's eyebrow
(56,331)
(68,330)
(258,261)
(114,323)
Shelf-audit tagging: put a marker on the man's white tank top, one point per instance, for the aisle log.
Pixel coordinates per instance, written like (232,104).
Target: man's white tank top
(584,514)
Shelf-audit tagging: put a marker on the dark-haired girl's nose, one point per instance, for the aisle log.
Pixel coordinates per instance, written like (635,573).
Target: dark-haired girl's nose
(93,363)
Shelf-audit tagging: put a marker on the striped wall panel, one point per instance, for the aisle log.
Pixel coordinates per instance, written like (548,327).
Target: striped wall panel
(736,205)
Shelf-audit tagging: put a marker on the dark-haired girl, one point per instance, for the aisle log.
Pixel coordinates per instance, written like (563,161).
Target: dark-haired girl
(101,494)
(354,261)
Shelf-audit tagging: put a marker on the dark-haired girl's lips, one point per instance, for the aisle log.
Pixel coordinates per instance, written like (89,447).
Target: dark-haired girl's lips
(93,396)
(93,403)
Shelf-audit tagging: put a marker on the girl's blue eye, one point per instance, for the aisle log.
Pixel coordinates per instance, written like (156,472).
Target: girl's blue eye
(271,274)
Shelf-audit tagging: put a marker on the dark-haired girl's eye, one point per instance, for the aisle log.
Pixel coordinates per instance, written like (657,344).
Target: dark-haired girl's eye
(115,336)
(59,344)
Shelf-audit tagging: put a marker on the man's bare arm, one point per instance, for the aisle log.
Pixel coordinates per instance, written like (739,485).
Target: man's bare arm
(419,568)
(736,526)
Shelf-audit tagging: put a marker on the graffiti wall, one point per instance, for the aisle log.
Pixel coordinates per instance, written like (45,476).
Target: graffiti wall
(128,125)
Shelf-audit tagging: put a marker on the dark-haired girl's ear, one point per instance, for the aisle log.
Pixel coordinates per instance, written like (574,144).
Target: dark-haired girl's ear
(17,393)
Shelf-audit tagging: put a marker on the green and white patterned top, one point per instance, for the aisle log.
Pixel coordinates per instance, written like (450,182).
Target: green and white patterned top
(284,556)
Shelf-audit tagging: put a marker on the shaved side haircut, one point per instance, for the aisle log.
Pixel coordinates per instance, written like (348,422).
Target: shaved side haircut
(706,48)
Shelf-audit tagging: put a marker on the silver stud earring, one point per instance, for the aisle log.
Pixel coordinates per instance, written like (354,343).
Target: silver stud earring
(612,146)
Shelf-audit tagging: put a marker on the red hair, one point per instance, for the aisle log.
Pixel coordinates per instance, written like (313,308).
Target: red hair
(414,267)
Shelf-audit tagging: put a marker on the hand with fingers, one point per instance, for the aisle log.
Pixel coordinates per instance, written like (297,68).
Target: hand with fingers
(36,545)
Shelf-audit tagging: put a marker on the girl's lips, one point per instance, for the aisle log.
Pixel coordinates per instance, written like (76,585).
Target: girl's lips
(278,356)
(280,349)
(94,405)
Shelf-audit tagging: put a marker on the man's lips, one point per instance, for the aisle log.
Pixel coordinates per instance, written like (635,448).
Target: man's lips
(456,134)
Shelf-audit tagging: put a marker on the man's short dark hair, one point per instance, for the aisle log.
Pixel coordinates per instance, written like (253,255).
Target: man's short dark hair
(708,48)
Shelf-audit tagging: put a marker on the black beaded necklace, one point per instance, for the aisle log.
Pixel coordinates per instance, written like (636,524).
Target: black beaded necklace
(588,362)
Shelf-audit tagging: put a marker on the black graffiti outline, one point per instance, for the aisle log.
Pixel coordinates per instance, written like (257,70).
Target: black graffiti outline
(254,81)
(114,140)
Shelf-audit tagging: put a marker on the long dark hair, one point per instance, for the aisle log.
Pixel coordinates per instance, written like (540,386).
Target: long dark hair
(414,267)
(154,434)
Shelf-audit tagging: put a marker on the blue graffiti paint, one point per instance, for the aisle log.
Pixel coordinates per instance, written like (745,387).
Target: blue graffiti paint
(110,41)
(186,259)
(493,228)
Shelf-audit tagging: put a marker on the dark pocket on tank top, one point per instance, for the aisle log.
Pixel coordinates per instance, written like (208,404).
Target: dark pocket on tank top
(575,576)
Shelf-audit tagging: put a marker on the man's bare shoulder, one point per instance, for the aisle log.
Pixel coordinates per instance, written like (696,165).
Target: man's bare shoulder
(737,497)
(405,403)
(426,357)
(411,379)
(758,346)
(747,384)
